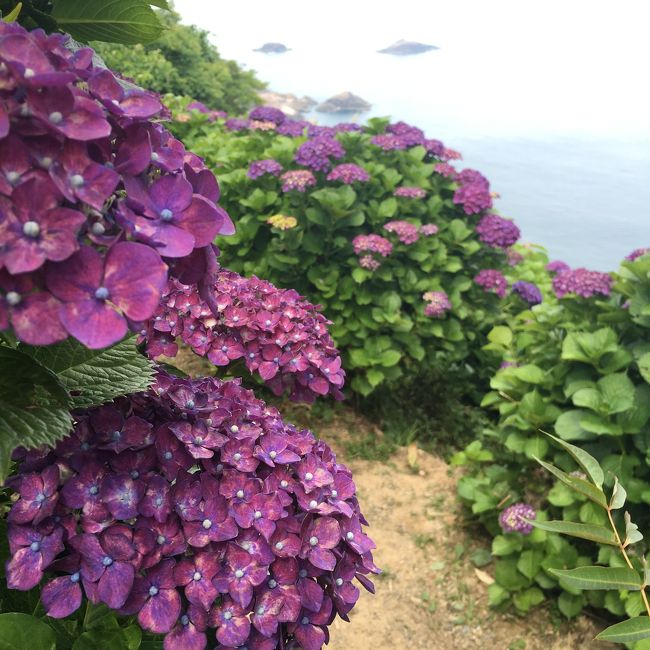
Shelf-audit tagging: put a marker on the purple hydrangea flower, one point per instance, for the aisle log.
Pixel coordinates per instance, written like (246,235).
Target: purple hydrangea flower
(237,124)
(556,266)
(317,152)
(260,167)
(267,114)
(298,180)
(389,142)
(407,233)
(473,192)
(635,254)
(528,291)
(373,244)
(492,280)
(497,232)
(292,128)
(410,135)
(582,282)
(438,304)
(410,192)
(512,519)
(348,173)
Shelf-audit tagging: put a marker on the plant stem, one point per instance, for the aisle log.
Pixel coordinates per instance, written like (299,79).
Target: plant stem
(627,559)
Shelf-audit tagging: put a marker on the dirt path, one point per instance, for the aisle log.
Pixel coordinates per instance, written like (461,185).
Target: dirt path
(430,596)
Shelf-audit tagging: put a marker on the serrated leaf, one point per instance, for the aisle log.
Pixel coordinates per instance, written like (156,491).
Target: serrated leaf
(590,491)
(591,532)
(600,577)
(632,533)
(634,629)
(618,495)
(94,377)
(114,21)
(587,462)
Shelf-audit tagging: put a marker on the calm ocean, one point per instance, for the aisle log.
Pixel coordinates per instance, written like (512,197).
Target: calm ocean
(554,113)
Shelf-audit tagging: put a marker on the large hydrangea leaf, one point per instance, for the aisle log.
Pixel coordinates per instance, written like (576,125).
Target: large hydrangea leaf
(93,377)
(34,407)
(119,21)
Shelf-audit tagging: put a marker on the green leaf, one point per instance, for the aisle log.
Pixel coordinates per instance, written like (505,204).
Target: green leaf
(389,358)
(25,632)
(106,639)
(632,533)
(115,21)
(530,562)
(589,347)
(501,335)
(568,427)
(618,495)
(600,577)
(528,598)
(387,208)
(161,4)
(569,604)
(94,377)
(590,491)
(644,366)
(634,629)
(617,391)
(587,462)
(591,532)
(530,373)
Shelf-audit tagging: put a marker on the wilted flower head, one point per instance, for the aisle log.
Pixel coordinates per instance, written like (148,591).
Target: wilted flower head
(528,291)
(97,199)
(317,153)
(373,244)
(582,282)
(635,254)
(267,114)
(437,304)
(282,222)
(512,518)
(226,518)
(260,167)
(492,280)
(408,233)
(348,173)
(556,266)
(299,180)
(410,192)
(497,232)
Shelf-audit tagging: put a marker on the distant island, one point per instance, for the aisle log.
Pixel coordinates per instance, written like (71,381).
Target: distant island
(404,48)
(344,102)
(272,48)
(290,104)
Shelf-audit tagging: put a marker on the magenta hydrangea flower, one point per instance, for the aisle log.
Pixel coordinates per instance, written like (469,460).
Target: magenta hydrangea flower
(512,519)
(582,282)
(473,193)
(438,304)
(429,229)
(492,280)
(372,244)
(557,266)
(265,555)
(407,233)
(445,169)
(274,331)
(298,180)
(317,153)
(410,192)
(497,232)
(85,174)
(260,167)
(410,135)
(369,262)
(528,292)
(635,254)
(388,142)
(348,173)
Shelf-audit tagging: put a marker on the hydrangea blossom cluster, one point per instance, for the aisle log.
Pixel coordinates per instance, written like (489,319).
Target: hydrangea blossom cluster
(97,201)
(317,152)
(635,254)
(373,244)
(202,108)
(196,508)
(512,519)
(527,291)
(274,331)
(292,128)
(388,142)
(428,229)
(513,257)
(369,262)
(348,173)
(582,282)
(492,280)
(267,114)
(445,169)
(298,180)
(407,233)
(473,192)
(282,222)
(496,231)
(556,266)
(260,167)
(237,124)
(437,304)
(410,135)
(410,192)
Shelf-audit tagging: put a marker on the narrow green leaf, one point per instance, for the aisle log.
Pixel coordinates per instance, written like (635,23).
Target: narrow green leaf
(634,629)
(114,21)
(94,377)
(587,462)
(12,16)
(618,495)
(600,577)
(591,532)
(584,487)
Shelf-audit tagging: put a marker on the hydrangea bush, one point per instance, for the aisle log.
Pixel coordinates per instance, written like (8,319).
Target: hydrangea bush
(576,365)
(381,217)
(148,501)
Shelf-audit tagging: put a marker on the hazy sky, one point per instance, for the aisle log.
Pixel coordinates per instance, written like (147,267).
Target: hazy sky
(580,64)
